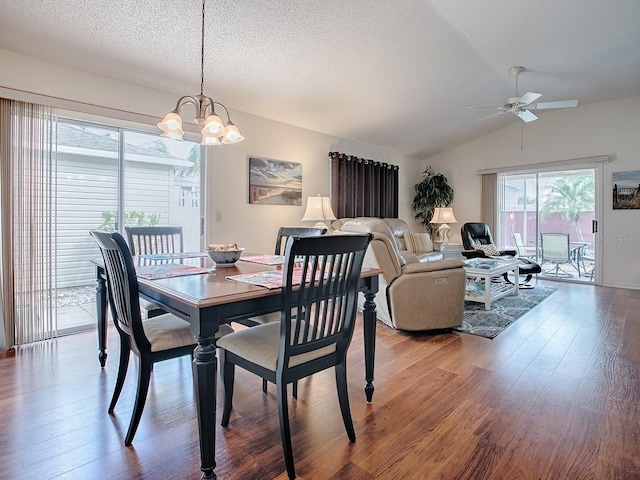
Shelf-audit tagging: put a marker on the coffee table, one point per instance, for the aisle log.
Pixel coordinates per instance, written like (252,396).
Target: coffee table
(480,273)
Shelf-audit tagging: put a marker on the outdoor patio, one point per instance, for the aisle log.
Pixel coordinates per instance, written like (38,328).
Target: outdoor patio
(76,308)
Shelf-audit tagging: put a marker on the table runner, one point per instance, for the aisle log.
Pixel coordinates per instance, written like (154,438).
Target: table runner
(264,259)
(169,256)
(168,270)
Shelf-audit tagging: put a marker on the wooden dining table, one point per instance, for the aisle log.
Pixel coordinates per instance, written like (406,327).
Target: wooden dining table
(208,300)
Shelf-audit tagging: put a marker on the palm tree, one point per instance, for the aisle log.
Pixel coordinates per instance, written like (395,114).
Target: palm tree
(570,197)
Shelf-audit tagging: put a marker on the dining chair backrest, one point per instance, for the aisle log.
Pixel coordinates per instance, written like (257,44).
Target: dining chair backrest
(320,298)
(285,232)
(122,284)
(157,239)
(555,247)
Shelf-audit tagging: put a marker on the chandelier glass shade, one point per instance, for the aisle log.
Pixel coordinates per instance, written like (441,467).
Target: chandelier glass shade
(213,130)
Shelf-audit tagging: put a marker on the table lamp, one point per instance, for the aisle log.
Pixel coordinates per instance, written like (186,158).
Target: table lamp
(318,210)
(443,216)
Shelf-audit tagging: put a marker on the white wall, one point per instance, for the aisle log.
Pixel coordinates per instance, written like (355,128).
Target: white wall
(255,226)
(607,128)
(227,176)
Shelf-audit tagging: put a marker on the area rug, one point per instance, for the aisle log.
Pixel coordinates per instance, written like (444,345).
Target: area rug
(504,311)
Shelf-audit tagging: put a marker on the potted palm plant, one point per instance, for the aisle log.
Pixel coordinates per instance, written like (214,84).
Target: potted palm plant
(430,192)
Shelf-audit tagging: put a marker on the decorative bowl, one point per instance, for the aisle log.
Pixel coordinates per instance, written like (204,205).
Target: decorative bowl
(225,258)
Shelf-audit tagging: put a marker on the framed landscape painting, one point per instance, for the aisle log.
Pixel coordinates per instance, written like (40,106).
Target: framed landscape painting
(274,182)
(626,190)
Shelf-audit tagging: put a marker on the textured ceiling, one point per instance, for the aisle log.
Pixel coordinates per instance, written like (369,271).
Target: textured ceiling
(393,73)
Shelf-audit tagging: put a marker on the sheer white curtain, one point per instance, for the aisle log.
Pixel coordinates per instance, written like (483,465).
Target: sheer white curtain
(27,224)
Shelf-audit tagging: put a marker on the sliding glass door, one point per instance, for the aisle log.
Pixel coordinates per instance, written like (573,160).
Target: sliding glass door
(550,216)
(107,178)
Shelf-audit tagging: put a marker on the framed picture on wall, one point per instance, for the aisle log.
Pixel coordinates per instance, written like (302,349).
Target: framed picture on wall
(274,182)
(626,190)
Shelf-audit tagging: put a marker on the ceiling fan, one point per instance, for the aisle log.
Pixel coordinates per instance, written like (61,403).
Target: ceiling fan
(522,105)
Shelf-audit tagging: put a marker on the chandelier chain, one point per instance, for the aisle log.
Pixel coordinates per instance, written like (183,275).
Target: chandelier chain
(202,54)
(213,130)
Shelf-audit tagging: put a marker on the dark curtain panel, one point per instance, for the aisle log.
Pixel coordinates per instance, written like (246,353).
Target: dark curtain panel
(363,188)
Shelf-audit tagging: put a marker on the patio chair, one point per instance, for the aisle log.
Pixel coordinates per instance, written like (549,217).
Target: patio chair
(555,248)
(588,257)
(318,313)
(523,250)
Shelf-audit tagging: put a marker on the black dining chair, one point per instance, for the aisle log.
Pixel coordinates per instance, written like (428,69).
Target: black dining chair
(281,239)
(318,312)
(285,232)
(154,240)
(159,338)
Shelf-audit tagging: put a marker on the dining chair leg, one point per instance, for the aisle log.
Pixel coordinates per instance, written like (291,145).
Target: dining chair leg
(285,430)
(228,374)
(144,376)
(343,399)
(295,388)
(125,353)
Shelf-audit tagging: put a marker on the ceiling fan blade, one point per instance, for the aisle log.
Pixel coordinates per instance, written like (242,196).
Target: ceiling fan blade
(526,116)
(560,104)
(529,97)
(494,108)
(493,114)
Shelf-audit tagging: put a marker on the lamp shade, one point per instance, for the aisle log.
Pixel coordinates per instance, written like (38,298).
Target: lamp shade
(318,209)
(443,215)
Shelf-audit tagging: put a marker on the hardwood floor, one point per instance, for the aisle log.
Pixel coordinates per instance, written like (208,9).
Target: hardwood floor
(555,396)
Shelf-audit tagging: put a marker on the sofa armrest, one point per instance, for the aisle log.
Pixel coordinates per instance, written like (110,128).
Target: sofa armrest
(422,257)
(432,266)
(428,296)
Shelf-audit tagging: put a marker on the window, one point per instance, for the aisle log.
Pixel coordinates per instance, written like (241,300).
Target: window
(109,177)
(554,203)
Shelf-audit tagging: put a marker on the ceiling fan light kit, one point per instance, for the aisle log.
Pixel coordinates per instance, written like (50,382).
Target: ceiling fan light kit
(522,105)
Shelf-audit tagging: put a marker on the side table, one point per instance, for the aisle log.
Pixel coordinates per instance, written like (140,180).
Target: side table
(451,250)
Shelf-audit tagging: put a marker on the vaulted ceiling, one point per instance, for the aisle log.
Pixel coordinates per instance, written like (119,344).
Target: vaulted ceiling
(398,74)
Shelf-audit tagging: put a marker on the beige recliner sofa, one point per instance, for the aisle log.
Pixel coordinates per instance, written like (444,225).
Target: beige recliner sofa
(419,295)
(398,228)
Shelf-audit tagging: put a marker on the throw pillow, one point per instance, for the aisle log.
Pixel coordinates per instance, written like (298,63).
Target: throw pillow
(418,242)
(489,250)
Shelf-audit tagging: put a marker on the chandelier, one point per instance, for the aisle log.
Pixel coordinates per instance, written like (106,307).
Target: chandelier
(214,131)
